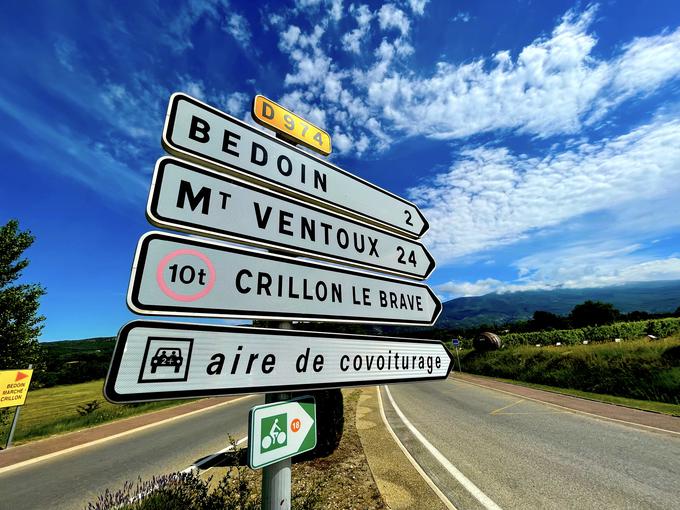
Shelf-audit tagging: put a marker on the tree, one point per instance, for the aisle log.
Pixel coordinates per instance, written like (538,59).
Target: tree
(543,321)
(20,323)
(593,313)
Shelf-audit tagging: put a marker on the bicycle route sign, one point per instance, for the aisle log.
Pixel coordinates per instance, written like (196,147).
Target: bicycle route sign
(281,430)
(207,136)
(156,360)
(192,199)
(178,275)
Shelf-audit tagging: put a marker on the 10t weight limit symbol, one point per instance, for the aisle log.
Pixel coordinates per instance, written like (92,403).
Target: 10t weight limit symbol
(185,275)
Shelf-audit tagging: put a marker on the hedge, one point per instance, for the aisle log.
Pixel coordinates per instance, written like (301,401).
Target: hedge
(623,330)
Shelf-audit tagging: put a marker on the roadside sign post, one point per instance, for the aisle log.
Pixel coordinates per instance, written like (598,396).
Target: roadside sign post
(14,384)
(276,478)
(456,344)
(265,192)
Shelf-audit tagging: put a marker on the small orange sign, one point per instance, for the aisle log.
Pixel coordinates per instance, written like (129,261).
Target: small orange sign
(14,387)
(295,425)
(274,116)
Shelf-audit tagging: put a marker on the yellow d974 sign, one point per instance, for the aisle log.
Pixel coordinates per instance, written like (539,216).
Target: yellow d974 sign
(14,387)
(274,116)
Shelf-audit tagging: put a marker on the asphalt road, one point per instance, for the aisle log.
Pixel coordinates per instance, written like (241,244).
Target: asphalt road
(527,455)
(71,480)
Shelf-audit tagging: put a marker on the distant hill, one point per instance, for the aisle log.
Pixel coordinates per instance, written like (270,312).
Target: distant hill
(653,297)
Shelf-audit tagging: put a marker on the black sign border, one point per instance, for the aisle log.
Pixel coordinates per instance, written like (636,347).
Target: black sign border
(187,311)
(180,151)
(158,220)
(114,397)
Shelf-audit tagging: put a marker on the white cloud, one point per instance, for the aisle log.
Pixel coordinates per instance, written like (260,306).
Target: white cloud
(418,6)
(491,197)
(463,289)
(577,267)
(194,88)
(236,103)
(462,16)
(352,40)
(390,16)
(238,27)
(178,28)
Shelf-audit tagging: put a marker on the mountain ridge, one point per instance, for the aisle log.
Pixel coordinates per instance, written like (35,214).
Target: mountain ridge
(497,308)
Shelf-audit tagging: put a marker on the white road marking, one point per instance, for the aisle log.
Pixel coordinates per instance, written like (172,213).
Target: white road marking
(420,470)
(483,499)
(197,466)
(115,436)
(569,409)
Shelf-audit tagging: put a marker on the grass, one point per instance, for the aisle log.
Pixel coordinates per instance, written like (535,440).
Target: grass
(640,370)
(50,411)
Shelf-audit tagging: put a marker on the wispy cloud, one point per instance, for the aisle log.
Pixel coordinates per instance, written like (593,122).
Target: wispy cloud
(492,197)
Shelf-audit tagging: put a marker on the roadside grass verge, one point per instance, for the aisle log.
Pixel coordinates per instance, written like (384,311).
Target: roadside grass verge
(50,411)
(639,369)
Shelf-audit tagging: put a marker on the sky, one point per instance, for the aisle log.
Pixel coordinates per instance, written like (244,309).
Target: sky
(540,139)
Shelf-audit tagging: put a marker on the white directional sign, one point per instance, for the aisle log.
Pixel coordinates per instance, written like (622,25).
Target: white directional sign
(281,430)
(196,131)
(195,200)
(160,360)
(177,275)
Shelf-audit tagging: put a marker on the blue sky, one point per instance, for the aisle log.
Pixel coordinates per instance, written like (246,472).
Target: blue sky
(540,139)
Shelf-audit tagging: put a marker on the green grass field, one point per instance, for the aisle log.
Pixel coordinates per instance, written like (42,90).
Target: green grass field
(50,411)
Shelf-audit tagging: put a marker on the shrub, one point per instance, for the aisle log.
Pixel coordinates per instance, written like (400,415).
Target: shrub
(635,369)
(88,407)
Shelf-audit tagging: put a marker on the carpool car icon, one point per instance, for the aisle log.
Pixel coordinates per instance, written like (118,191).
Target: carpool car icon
(167,357)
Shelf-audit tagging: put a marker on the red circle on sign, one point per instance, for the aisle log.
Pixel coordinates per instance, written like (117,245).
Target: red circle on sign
(295,425)
(181,297)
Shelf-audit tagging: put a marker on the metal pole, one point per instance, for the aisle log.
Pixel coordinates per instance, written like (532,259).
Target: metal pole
(14,421)
(276,483)
(460,370)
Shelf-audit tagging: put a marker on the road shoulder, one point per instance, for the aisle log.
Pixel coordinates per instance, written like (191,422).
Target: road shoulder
(45,448)
(399,482)
(641,419)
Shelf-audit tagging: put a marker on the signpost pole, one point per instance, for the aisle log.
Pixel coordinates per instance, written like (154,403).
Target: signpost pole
(460,370)
(14,422)
(276,481)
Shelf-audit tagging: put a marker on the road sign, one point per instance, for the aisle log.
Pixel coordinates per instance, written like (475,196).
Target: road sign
(205,135)
(161,360)
(14,387)
(195,200)
(177,275)
(274,116)
(456,342)
(281,430)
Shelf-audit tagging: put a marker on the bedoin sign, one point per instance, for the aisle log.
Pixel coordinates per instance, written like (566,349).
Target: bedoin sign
(200,133)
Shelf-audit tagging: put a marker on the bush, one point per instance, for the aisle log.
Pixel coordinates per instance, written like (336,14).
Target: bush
(636,369)
(239,489)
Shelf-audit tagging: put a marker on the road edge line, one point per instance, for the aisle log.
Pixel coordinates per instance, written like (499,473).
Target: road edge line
(475,491)
(41,458)
(197,465)
(421,472)
(577,411)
